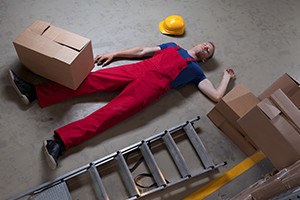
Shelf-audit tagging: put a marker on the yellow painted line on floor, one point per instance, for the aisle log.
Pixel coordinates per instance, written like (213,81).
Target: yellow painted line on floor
(226,177)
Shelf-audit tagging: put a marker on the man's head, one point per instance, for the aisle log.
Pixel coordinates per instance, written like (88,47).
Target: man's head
(204,51)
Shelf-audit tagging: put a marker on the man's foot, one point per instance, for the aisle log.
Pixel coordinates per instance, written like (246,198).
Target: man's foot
(52,150)
(25,90)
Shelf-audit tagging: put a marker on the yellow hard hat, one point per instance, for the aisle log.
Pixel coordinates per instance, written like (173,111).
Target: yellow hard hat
(172,25)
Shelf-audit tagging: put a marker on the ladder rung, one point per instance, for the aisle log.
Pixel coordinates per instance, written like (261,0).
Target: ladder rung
(97,183)
(126,175)
(59,191)
(152,165)
(176,155)
(198,146)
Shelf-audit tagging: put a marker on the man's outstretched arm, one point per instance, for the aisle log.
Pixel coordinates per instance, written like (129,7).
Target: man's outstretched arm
(135,52)
(216,94)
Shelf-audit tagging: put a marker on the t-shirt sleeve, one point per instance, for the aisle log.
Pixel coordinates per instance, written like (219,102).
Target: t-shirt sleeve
(199,78)
(166,45)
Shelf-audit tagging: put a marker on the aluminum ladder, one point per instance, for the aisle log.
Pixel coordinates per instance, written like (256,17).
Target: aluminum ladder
(58,189)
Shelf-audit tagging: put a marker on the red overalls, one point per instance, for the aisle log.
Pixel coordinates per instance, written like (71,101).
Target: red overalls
(141,83)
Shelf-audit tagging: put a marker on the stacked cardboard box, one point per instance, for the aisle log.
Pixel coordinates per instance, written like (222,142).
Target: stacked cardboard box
(54,53)
(288,85)
(269,187)
(274,123)
(270,122)
(232,107)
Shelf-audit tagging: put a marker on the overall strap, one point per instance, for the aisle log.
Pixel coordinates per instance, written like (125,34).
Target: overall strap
(177,47)
(186,59)
(191,60)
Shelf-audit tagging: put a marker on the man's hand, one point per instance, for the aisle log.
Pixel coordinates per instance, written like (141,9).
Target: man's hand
(229,72)
(104,59)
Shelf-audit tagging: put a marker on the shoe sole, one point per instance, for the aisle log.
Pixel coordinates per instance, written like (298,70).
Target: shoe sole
(50,160)
(22,96)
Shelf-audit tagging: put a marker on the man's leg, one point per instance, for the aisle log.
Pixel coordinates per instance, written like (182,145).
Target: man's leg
(109,79)
(136,96)
(130,101)
(53,148)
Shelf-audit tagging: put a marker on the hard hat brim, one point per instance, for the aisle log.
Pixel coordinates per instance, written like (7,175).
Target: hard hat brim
(167,32)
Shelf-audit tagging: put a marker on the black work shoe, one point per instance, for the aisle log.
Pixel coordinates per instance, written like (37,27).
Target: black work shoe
(52,151)
(25,90)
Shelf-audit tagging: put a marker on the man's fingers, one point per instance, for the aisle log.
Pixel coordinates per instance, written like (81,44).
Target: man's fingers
(230,71)
(100,61)
(105,63)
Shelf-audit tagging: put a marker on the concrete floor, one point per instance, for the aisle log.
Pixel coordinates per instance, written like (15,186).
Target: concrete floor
(260,39)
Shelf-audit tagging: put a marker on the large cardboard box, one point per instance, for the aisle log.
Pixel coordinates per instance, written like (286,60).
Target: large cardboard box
(54,53)
(288,85)
(274,126)
(234,105)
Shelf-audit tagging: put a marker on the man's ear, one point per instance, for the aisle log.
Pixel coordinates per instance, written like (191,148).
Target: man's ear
(204,60)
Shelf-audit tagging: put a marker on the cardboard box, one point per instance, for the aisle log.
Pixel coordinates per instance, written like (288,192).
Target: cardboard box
(288,85)
(274,128)
(235,136)
(269,187)
(54,53)
(235,104)
(232,107)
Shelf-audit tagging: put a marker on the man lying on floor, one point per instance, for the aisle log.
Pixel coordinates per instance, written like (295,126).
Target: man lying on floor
(167,66)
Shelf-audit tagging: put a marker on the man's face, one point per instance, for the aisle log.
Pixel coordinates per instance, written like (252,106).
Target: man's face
(204,51)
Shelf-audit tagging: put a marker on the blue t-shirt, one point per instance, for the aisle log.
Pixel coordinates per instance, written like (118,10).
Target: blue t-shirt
(191,74)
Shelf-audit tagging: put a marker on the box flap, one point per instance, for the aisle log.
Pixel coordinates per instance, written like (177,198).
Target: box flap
(287,106)
(66,38)
(39,27)
(243,103)
(46,47)
(66,55)
(285,82)
(269,108)
(296,97)
(31,40)
(288,132)
(236,92)
(239,100)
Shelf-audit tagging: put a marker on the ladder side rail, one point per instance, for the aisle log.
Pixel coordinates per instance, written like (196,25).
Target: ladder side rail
(171,130)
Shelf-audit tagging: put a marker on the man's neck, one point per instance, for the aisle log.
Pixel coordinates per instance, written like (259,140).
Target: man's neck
(192,53)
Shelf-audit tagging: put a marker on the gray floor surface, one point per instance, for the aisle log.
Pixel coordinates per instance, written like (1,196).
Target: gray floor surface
(259,39)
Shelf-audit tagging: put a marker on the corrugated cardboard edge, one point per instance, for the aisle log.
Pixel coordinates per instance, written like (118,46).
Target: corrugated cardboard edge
(267,188)
(287,107)
(285,82)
